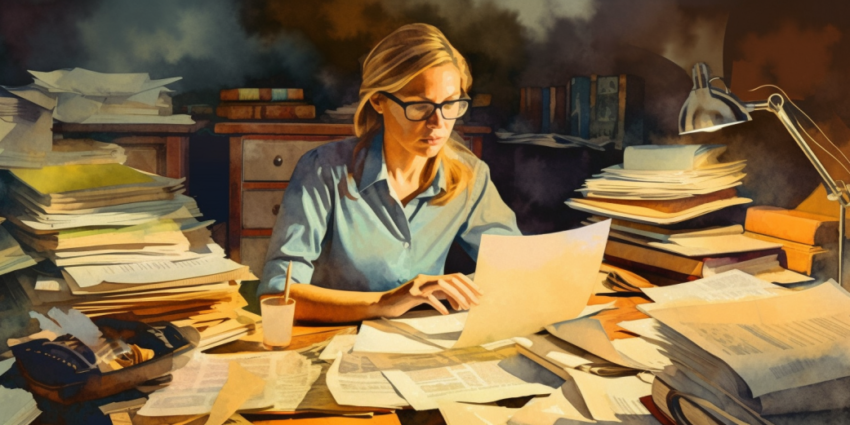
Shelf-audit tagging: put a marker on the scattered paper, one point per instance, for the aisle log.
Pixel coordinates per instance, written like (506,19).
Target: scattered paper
(339,344)
(472,414)
(240,386)
(564,405)
(52,284)
(589,334)
(609,398)
(361,387)
(155,271)
(727,286)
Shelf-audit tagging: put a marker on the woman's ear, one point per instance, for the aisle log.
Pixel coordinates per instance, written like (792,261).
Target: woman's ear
(377,105)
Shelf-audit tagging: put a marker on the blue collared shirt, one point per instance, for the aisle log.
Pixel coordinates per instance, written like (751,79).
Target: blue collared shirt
(353,233)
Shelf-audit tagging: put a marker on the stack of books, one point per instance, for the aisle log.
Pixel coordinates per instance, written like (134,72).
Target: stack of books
(751,352)
(264,104)
(126,244)
(653,196)
(26,117)
(806,238)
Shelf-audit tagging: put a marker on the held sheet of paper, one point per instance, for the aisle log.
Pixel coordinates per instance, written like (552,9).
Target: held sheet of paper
(773,343)
(528,282)
(195,386)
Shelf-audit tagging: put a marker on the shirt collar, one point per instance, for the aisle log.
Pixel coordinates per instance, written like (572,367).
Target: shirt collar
(375,169)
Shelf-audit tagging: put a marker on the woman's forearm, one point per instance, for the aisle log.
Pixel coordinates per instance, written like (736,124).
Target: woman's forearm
(317,304)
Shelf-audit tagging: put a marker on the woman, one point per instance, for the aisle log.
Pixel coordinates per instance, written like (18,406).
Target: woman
(368,221)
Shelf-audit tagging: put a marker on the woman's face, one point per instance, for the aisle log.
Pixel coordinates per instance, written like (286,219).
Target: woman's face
(423,138)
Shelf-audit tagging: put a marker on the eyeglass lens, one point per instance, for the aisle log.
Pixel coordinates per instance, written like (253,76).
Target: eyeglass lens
(450,111)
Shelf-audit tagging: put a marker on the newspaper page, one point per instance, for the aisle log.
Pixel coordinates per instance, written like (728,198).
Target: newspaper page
(614,398)
(476,382)
(355,382)
(773,343)
(195,386)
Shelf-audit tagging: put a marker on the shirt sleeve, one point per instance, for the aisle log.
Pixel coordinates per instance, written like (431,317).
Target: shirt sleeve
(488,213)
(301,225)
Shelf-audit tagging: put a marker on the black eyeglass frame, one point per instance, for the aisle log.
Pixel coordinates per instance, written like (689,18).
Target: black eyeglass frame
(436,106)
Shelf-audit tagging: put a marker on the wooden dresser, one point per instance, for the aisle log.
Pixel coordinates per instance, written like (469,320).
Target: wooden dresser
(262,158)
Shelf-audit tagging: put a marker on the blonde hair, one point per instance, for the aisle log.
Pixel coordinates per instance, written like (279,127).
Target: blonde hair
(394,62)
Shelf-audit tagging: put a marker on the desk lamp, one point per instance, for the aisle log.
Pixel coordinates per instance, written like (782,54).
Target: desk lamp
(709,109)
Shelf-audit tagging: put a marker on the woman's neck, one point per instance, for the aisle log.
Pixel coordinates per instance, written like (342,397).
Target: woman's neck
(403,166)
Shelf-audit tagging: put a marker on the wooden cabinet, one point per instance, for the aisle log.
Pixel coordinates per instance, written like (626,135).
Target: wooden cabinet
(262,158)
(156,148)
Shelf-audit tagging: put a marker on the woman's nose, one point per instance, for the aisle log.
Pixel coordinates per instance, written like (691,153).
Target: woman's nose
(436,119)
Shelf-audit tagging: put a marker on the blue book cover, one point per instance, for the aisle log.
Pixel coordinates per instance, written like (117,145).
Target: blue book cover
(580,107)
(545,124)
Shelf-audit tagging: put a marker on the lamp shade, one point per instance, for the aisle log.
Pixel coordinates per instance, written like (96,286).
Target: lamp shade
(707,108)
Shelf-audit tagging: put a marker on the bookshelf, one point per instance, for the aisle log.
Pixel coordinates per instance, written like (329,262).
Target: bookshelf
(262,158)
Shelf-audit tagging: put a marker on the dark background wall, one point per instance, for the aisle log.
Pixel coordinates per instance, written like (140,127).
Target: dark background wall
(803,47)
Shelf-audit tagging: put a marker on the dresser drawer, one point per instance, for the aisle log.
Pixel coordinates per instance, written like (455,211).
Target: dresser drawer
(253,253)
(260,208)
(273,160)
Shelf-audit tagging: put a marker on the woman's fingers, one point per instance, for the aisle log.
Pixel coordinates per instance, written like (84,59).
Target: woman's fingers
(431,299)
(463,285)
(469,283)
(453,293)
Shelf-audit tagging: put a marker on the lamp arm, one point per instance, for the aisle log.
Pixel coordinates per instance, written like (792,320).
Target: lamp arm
(780,105)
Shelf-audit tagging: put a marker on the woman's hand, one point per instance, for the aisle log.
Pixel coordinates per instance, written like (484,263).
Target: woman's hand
(461,292)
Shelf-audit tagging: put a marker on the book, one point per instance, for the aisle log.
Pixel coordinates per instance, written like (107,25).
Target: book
(801,258)
(265,111)
(580,107)
(603,120)
(630,113)
(262,95)
(673,266)
(560,113)
(792,225)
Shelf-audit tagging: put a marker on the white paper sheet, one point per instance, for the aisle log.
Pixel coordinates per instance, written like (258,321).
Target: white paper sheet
(588,334)
(157,271)
(339,344)
(726,286)
(610,397)
(473,414)
(556,409)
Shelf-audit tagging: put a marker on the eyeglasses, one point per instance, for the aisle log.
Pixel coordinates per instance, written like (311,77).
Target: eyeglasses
(421,111)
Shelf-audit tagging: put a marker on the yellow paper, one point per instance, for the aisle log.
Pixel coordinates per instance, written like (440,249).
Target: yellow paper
(68,178)
(240,386)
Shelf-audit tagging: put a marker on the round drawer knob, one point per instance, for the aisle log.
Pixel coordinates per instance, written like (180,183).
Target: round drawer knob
(276,209)
(278,161)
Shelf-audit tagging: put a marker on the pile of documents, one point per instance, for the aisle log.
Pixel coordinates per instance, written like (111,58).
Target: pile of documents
(84,151)
(750,349)
(655,196)
(88,97)
(126,244)
(12,257)
(26,119)
(663,185)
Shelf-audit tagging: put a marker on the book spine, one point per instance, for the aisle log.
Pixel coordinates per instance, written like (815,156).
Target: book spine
(776,223)
(656,260)
(545,110)
(603,121)
(631,112)
(263,95)
(580,107)
(561,114)
(535,110)
(266,112)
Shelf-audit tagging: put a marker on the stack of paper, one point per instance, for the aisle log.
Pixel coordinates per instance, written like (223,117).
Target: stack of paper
(663,185)
(12,257)
(84,151)
(750,349)
(88,97)
(25,123)
(126,244)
